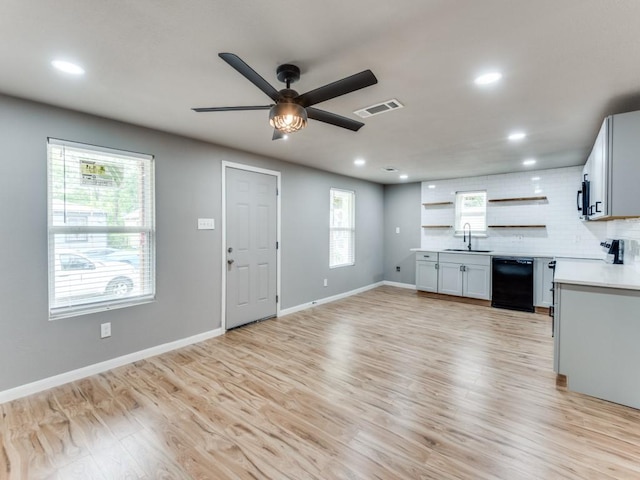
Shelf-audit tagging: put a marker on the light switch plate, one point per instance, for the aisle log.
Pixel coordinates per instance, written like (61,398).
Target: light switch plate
(206,224)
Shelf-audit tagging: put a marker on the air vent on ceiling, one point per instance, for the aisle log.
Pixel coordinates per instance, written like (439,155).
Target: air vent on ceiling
(379,108)
(390,169)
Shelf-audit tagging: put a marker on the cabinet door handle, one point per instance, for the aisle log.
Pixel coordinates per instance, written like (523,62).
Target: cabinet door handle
(598,208)
(578,200)
(437,266)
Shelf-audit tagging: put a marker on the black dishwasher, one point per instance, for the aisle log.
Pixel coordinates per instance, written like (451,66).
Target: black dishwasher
(512,283)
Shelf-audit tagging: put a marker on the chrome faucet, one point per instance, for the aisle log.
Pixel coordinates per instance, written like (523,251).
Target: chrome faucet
(464,232)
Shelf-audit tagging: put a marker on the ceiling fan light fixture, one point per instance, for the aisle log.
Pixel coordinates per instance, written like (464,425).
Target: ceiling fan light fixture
(288,117)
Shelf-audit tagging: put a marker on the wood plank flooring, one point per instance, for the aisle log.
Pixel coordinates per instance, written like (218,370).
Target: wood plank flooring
(387,384)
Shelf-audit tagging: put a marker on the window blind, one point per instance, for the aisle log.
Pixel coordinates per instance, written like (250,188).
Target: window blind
(471,208)
(101,228)
(342,228)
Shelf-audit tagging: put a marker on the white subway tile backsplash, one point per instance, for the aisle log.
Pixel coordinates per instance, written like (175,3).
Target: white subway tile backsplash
(565,233)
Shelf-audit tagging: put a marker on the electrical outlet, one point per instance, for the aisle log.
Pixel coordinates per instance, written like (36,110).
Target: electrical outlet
(398,268)
(105,330)
(326,282)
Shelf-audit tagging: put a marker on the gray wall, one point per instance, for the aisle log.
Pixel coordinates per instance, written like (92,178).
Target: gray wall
(188,186)
(401,209)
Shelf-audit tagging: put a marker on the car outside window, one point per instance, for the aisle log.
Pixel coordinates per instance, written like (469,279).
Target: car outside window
(101,228)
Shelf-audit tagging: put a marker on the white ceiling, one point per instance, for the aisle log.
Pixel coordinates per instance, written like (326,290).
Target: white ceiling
(565,63)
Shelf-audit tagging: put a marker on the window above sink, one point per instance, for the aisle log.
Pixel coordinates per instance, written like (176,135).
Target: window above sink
(471,208)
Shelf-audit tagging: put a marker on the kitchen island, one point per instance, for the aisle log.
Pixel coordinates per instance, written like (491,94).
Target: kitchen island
(597,329)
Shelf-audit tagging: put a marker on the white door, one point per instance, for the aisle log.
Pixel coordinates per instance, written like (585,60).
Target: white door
(251,236)
(450,278)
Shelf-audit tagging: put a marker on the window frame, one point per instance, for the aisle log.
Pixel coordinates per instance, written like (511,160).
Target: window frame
(460,213)
(351,229)
(74,308)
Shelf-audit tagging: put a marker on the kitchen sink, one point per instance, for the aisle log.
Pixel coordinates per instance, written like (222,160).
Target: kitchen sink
(465,250)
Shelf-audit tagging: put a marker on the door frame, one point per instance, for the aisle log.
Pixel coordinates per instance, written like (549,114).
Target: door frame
(248,168)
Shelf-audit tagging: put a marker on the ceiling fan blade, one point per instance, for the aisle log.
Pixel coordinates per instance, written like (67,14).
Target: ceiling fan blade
(231,109)
(250,74)
(333,119)
(277,134)
(340,87)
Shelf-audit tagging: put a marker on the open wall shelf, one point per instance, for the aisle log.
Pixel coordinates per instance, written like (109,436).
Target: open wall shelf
(437,226)
(437,204)
(518,199)
(517,226)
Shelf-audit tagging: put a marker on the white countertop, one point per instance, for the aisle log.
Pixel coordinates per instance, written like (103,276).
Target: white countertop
(498,253)
(597,274)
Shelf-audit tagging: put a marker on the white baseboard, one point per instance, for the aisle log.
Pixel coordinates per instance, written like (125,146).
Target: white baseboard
(61,379)
(333,298)
(409,286)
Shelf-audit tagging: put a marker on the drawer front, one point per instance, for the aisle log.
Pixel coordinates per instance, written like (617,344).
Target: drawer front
(427,256)
(465,258)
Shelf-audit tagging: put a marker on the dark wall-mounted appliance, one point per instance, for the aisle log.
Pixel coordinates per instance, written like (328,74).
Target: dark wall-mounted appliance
(582,199)
(614,249)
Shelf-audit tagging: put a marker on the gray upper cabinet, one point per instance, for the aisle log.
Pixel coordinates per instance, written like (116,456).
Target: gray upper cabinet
(614,168)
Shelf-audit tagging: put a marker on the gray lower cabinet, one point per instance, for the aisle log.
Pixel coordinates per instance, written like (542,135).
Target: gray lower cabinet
(476,281)
(596,341)
(543,282)
(450,278)
(465,275)
(427,271)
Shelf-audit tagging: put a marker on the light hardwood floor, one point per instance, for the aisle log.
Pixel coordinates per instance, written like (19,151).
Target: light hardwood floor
(384,385)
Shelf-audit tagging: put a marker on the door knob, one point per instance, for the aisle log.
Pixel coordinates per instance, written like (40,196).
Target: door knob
(230,261)
(229,249)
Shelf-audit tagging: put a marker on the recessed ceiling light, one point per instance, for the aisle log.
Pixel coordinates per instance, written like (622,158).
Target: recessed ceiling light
(359,162)
(535,179)
(404,176)
(68,67)
(537,190)
(528,162)
(431,186)
(515,136)
(488,78)
(285,137)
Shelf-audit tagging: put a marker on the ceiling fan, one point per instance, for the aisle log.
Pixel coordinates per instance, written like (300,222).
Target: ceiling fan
(290,111)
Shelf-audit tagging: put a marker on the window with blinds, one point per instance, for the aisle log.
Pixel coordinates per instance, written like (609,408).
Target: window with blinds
(471,208)
(101,228)
(342,228)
